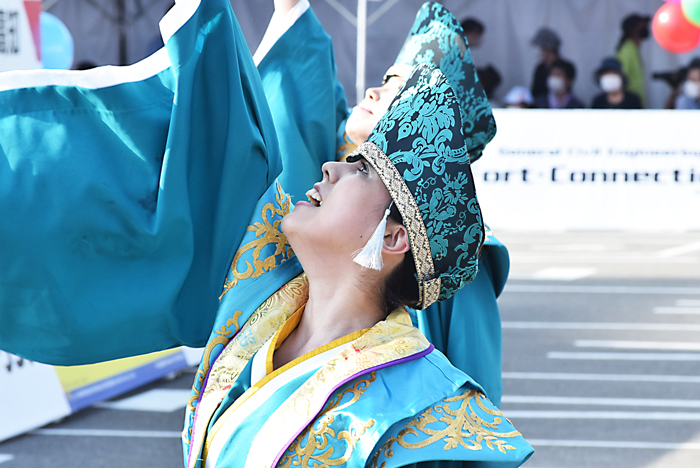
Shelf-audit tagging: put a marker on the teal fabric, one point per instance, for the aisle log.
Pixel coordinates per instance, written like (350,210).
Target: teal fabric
(306,99)
(376,406)
(467,327)
(360,415)
(231,455)
(436,37)
(421,136)
(122,206)
(275,266)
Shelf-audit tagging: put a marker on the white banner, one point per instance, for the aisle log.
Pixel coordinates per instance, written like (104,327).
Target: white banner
(32,395)
(38,394)
(20,36)
(591,170)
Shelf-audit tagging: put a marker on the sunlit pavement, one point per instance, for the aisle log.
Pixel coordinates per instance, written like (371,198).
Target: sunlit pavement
(601,337)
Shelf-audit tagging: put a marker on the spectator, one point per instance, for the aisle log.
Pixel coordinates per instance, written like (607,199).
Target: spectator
(490,79)
(474,30)
(548,43)
(519,97)
(560,82)
(613,82)
(635,29)
(690,92)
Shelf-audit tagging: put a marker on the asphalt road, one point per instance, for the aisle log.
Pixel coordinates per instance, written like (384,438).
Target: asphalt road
(601,343)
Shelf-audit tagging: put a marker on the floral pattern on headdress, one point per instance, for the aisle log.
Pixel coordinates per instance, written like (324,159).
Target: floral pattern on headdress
(420,135)
(437,37)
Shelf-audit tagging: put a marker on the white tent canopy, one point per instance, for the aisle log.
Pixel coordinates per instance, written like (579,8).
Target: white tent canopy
(589,30)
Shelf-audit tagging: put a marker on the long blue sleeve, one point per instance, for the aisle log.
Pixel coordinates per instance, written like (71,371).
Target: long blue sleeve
(306,99)
(124,192)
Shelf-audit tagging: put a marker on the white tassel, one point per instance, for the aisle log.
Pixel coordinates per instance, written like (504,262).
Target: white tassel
(370,256)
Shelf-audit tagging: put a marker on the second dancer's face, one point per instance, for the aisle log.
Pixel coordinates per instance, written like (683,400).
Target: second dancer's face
(367,113)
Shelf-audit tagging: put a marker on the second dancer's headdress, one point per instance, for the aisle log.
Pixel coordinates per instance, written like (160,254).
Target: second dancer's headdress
(436,37)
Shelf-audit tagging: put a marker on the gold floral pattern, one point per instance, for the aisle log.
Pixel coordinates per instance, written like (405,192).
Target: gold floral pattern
(345,149)
(390,340)
(228,365)
(462,427)
(223,335)
(266,320)
(267,233)
(318,449)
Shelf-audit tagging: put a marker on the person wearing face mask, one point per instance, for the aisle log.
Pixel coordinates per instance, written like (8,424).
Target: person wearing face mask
(611,80)
(690,91)
(635,29)
(548,43)
(559,83)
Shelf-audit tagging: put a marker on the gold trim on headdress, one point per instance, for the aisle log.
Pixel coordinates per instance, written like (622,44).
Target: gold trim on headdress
(428,285)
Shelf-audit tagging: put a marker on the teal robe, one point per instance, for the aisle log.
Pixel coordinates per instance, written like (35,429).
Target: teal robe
(123,202)
(129,193)
(365,407)
(309,108)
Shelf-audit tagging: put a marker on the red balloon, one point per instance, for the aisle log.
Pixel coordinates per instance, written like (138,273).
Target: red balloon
(672,31)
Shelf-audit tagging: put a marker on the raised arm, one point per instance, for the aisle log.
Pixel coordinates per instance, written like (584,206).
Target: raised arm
(308,105)
(125,192)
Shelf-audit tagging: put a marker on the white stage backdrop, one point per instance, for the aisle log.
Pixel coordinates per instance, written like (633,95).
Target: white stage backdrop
(609,170)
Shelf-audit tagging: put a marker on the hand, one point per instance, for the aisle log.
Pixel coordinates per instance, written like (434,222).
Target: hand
(283,6)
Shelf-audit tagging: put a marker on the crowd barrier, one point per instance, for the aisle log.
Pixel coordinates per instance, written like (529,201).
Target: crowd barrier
(559,170)
(37,394)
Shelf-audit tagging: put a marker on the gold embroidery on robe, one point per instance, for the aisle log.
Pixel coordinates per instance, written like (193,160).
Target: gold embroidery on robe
(465,428)
(228,365)
(266,320)
(224,334)
(267,233)
(389,340)
(345,149)
(318,435)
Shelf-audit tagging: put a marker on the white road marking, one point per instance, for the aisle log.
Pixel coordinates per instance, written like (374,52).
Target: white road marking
(661,345)
(553,288)
(625,356)
(107,433)
(613,444)
(677,310)
(642,258)
(602,326)
(160,400)
(553,400)
(4,457)
(679,250)
(574,247)
(562,273)
(602,377)
(619,415)
(688,303)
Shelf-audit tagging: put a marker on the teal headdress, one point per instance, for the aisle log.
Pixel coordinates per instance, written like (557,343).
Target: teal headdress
(437,37)
(420,154)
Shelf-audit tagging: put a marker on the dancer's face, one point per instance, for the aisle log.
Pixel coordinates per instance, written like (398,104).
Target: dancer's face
(343,211)
(366,113)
